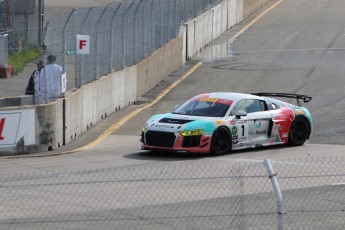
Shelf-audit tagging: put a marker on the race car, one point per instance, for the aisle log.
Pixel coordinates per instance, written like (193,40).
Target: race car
(219,122)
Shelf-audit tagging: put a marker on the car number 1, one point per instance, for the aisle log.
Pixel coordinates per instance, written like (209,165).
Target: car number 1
(242,127)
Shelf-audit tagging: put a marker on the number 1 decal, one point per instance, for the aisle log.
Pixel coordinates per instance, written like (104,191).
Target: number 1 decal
(243,133)
(242,127)
(2,124)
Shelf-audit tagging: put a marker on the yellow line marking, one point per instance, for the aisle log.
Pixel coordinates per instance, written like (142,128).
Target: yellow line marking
(258,18)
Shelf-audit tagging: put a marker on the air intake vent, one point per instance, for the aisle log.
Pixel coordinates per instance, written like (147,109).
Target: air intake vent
(174,121)
(160,139)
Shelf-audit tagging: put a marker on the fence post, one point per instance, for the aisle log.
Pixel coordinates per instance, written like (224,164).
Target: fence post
(277,190)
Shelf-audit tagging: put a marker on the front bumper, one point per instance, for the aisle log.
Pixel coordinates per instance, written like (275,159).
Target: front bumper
(174,142)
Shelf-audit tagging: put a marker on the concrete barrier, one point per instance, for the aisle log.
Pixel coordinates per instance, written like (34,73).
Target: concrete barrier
(62,121)
(232,13)
(190,39)
(224,17)
(239,11)
(217,21)
(49,126)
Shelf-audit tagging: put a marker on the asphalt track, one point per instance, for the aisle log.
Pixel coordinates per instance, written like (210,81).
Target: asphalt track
(296,47)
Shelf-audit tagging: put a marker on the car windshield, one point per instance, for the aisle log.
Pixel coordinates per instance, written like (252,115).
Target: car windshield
(204,106)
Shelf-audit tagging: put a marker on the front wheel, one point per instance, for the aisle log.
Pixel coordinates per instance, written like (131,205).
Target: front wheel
(299,132)
(221,141)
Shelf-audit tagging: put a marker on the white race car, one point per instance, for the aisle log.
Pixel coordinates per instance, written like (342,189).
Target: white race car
(219,122)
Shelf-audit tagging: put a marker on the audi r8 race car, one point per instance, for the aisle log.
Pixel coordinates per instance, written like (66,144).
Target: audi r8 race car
(219,122)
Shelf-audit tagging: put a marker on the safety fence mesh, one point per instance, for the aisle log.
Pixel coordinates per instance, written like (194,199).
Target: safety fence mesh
(121,34)
(21,21)
(190,195)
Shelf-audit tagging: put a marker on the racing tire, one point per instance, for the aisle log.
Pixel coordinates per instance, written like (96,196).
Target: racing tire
(299,132)
(221,141)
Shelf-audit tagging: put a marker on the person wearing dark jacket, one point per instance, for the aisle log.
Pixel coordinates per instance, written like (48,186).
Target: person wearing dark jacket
(30,89)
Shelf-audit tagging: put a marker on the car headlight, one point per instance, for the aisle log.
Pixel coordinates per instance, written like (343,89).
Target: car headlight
(196,132)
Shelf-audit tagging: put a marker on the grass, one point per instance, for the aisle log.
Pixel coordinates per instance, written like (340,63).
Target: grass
(19,60)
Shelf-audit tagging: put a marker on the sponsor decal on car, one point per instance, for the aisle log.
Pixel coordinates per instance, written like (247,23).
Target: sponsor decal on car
(164,126)
(257,124)
(299,112)
(234,130)
(209,99)
(260,132)
(220,122)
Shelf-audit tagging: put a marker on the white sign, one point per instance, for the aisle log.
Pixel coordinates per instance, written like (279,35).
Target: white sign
(83,44)
(63,83)
(16,125)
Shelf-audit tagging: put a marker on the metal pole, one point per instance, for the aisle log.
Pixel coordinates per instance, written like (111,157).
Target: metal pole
(110,44)
(40,22)
(96,48)
(277,190)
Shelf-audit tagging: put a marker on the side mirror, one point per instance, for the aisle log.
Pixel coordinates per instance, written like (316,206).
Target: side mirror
(240,113)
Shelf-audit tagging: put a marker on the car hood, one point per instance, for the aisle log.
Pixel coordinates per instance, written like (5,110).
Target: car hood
(170,122)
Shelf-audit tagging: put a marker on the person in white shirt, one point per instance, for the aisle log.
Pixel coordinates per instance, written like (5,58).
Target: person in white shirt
(49,81)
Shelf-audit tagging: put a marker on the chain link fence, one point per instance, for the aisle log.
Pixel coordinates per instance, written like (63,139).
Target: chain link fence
(191,195)
(121,34)
(21,21)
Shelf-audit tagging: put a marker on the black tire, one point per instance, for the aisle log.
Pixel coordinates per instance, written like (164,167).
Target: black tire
(221,141)
(299,131)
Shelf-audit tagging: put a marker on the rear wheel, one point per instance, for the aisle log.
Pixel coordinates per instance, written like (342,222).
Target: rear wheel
(221,141)
(299,131)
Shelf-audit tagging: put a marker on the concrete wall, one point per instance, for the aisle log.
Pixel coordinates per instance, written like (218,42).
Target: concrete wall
(65,119)
(232,13)
(49,126)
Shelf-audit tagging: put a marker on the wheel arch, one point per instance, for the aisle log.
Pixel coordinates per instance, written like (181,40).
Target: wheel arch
(308,122)
(230,136)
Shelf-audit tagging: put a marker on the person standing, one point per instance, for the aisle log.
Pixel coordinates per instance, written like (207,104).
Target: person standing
(33,81)
(50,81)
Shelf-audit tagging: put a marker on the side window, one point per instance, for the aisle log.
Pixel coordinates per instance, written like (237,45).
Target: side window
(272,106)
(249,106)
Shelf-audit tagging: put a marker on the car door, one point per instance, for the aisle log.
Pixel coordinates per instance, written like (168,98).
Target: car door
(254,127)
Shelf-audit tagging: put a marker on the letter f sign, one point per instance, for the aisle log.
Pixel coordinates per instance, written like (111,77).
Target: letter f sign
(83,44)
